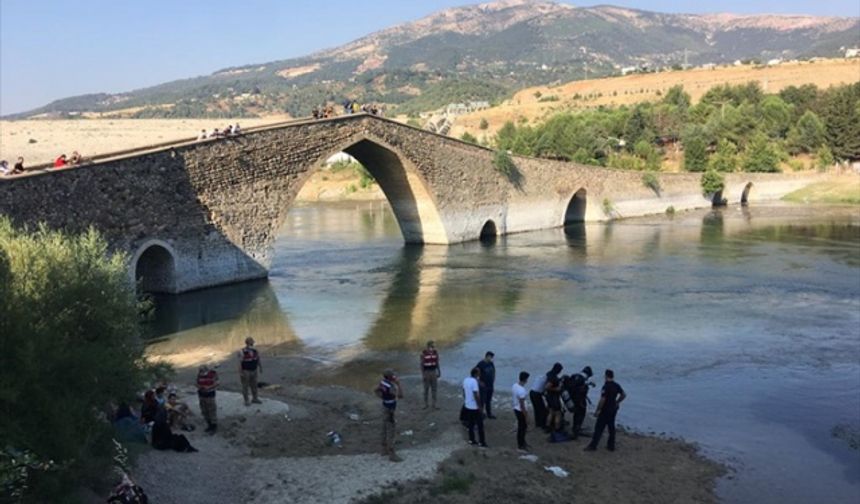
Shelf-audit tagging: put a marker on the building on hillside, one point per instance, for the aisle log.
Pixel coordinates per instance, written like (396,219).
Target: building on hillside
(628,70)
(852,52)
(774,62)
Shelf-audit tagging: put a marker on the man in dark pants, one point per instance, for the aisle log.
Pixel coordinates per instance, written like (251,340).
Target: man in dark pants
(472,405)
(518,392)
(611,397)
(488,379)
(579,392)
(536,395)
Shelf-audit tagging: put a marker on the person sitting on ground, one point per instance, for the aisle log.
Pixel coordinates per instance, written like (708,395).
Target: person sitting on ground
(228,131)
(202,135)
(178,413)
(4,168)
(236,130)
(19,166)
(149,407)
(127,426)
(60,161)
(216,133)
(76,158)
(164,439)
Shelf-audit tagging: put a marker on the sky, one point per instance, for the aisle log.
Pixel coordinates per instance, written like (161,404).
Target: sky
(52,49)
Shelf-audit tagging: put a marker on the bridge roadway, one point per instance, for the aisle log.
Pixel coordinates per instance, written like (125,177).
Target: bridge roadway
(195,214)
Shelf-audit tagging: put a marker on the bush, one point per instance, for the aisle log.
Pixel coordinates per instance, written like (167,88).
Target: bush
(608,207)
(71,345)
(651,181)
(468,137)
(712,182)
(504,164)
(725,159)
(695,150)
(484,124)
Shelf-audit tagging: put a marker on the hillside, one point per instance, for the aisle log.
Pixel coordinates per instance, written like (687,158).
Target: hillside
(538,102)
(477,52)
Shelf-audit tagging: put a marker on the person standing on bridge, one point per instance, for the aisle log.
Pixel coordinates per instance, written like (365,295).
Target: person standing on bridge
(249,367)
(430,372)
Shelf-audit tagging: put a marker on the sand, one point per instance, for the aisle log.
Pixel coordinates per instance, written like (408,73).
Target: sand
(98,136)
(278,452)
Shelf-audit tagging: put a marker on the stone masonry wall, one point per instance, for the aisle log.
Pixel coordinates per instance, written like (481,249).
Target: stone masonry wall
(217,205)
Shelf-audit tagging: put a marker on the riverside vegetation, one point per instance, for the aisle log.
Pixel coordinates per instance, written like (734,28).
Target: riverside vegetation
(69,329)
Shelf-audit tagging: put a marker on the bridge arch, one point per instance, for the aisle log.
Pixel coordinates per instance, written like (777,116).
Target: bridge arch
(154,267)
(489,232)
(575,211)
(412,203)
(746,194)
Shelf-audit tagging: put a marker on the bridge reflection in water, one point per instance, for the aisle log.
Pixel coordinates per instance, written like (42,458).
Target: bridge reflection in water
(343,286)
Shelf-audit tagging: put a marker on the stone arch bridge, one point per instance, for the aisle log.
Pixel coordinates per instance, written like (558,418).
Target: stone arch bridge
(196,214)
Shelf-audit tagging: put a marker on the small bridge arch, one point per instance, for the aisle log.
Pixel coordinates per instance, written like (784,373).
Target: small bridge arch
(575,211)
(154,267)
(489,232)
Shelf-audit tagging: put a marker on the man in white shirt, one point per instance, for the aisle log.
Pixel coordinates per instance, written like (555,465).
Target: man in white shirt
(472,404)
(519,394)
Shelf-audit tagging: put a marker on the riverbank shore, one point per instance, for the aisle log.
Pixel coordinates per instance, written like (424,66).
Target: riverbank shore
(279,452)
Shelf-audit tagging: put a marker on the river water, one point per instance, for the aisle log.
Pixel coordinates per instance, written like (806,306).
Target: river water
(736,329)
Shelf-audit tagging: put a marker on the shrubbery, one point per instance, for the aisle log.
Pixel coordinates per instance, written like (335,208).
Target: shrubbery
(69,332)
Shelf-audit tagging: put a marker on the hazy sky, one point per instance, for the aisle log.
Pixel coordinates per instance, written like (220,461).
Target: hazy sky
(52,49)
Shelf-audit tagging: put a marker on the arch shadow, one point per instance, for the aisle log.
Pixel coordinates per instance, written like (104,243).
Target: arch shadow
(489,232)
(155,268)
(575,211)
(717,200)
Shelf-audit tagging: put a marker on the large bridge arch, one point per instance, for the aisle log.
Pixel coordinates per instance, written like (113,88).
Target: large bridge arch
(412,203)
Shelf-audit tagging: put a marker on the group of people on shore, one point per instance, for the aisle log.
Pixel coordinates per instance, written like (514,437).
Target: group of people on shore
(551,395)
(231,130)
(17,168)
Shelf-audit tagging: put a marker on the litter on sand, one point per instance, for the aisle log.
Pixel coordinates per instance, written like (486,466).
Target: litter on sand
(530,457)
(558,471)
(407,433)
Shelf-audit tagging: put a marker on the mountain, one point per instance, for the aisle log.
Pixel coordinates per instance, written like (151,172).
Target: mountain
(479,52)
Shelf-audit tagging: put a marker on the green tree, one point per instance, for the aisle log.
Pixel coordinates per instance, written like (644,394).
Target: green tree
(712,183)
(647,153)
(802,98)
(761,155)
(841,116)
(776,116)
(824,158)
(69,331)
(725,159)
(810,132)
(506,136)
(695,149)
(677,97)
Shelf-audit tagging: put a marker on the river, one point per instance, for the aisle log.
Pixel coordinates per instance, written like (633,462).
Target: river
(737,329)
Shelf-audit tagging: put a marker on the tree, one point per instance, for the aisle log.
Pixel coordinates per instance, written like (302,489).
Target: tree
(841,116)
(695,149)
(725,159)
(760,155)
(712,183)
(506,136)
(677,97)
(69,331)
(824,158)
(776,116)
(810,132)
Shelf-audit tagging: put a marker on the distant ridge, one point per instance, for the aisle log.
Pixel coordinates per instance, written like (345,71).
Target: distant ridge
(482,52)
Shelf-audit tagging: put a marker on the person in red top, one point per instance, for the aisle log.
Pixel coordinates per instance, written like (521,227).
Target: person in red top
(430,371)
(207,383)
(60,161)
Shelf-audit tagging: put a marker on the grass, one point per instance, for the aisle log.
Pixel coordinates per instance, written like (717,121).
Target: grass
(843,191)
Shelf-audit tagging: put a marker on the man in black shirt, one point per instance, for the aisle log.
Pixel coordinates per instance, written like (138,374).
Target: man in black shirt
(611,397)
(487,382)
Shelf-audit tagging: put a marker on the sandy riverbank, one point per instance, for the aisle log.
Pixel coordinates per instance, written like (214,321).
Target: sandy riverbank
(277,452)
